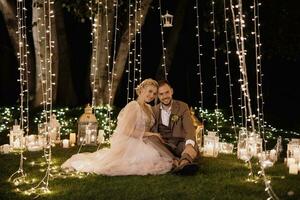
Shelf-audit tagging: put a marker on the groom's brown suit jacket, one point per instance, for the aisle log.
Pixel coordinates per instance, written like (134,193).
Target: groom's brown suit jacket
(180,120)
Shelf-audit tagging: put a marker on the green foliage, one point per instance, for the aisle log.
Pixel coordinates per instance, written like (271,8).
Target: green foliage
(68,119)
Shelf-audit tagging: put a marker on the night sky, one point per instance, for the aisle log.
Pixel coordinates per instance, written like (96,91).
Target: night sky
(280,37)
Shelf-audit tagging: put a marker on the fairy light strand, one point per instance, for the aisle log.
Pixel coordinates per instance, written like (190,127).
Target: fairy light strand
(19,176)
(163,65)
(227,63)
(128,71)
(214,58)
(140,37)
(134,80)
(116,5)
(96,27)
(46,77)
(199,58)
(241,55)
(261,114)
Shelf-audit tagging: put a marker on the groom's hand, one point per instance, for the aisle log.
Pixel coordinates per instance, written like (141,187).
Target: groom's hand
(190,150)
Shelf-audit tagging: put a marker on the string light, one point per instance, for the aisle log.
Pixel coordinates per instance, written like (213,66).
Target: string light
(129,52)
(227,63)
(134,51)
(259,74)
(238,25)
(199,57)
(140,36)
(241,54)
(163,65)
(45,44)
(109,106)
(19,176)
(214,58)
(96,27)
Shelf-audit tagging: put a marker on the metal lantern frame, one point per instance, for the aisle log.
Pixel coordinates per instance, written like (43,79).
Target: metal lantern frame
(167,20)
(87,128)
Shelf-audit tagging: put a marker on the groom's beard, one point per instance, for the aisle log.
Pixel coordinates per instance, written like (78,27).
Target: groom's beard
(168,104)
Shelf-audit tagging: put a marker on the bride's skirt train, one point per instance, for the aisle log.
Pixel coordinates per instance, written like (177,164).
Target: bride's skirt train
(127,156)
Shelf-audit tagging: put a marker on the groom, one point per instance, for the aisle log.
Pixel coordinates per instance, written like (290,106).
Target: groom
(174,123)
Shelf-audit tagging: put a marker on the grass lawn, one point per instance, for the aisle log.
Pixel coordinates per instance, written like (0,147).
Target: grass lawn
(218,178)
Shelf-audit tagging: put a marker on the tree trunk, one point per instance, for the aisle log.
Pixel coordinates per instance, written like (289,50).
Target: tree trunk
(101,75)
(9,11)
(65,90)
(40,42)
(173,39)
(124,49)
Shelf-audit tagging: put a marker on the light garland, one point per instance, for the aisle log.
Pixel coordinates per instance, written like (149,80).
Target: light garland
(214,58)
(241,54)
(163,65)
(196,7)
(96,27)
(227,63)
(134,51)
(239,24)
(128,71)
(140,36)
(46,75)
(259,74)
(19,176)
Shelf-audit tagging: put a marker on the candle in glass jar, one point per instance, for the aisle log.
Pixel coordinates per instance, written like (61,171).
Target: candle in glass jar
(72,139)
(65,143)
(293,169)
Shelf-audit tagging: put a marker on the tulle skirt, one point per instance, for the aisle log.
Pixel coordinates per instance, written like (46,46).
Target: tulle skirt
(126,156)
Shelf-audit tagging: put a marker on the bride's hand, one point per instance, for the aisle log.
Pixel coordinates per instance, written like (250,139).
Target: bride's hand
(147,134)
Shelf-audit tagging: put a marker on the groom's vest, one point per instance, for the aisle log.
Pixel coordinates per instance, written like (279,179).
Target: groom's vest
(165,131)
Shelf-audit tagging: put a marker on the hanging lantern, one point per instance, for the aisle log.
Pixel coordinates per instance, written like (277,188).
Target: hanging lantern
(211,144)
(16,137)
(87,128)
(167,20)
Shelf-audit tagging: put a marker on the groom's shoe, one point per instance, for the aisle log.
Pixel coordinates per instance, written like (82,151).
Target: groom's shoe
(186,168)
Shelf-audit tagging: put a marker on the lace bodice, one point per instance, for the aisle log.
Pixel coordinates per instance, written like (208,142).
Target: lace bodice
(149,121)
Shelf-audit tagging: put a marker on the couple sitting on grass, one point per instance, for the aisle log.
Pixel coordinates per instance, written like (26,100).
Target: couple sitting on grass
(147,140)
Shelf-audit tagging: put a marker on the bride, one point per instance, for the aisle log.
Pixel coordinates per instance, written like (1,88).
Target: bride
(132,151)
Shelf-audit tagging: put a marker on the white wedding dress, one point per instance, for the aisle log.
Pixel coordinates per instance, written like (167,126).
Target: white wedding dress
(129,154)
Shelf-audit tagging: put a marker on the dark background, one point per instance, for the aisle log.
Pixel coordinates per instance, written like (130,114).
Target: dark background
(280,37)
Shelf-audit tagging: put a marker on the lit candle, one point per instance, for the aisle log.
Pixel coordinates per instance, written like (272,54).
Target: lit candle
(6,148)
(65,143)
(290,161)
(88,136)
(243,154)
(273,155)
(209,150)
(297,154)
(293,169)
(100,136)
(72,139)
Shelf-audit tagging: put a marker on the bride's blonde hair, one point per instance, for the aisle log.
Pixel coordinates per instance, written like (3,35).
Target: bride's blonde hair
(145,83)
